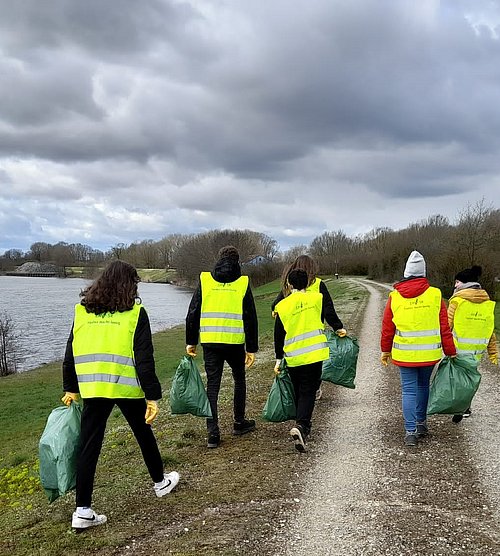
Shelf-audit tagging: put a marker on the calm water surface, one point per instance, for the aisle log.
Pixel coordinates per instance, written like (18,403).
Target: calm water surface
(42,312)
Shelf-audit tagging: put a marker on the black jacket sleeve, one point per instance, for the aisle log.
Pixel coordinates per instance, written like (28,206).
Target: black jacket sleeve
(144,358)
(279,337)
(279,297)
(70,380)
(250,323)
(328,310)
(193,318)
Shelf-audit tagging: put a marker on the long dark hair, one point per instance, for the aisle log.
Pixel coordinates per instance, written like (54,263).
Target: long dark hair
(302,262)
(114,290)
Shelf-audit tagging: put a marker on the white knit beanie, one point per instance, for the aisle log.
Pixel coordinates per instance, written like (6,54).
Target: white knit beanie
(415,265)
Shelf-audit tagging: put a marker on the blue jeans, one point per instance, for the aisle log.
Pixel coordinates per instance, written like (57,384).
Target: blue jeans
(415,394)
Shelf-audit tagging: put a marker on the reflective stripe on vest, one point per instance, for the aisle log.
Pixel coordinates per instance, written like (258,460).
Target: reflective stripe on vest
(221,319)
(305,340)
(473,325)
(418,335)
(103,353)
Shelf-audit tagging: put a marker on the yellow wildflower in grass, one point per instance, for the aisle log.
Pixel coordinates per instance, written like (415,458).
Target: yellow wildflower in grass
(17,482)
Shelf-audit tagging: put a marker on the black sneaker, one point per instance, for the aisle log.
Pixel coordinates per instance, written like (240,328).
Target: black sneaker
(422,430)
(411,439)
(467,412)
(457,418)
(247,425)
(213,441)
(299,439)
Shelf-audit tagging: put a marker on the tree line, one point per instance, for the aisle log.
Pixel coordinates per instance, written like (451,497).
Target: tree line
(380,254)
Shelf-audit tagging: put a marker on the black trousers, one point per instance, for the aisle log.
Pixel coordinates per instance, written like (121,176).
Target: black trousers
(215,356)
(94,418)
(306,379)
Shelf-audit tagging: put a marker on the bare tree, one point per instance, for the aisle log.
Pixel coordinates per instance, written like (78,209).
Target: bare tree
(9,351)
(473,234)
(118,250)
(330,251)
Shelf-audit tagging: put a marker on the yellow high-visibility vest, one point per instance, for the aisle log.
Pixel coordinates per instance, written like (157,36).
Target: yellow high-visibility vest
(103,348)
(314,287)
(221,320)
(305,340)
(418,332)
(473,325)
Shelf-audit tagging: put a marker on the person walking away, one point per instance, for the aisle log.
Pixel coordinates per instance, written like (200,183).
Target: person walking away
(299,337)
(415,332)
(223,318)
(315,284)
(471,316)
(109,361)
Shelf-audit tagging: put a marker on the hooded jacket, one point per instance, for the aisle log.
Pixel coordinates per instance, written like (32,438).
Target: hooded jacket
(413,287)
(472,292)
(226,270)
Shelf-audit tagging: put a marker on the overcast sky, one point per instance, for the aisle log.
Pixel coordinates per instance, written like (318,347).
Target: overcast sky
(122,121)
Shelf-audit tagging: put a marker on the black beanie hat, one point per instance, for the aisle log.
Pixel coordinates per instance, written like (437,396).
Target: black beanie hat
(469,274)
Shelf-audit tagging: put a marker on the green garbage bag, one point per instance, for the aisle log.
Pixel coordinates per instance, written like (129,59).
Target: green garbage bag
(453,385)
(280,404)
(58,450)
(187,394)
(340,367)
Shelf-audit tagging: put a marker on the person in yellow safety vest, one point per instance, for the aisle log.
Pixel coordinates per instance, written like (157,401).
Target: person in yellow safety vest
(223,318)
(109,361)
(299,338)
(471,316)
(314,283)
(415,332)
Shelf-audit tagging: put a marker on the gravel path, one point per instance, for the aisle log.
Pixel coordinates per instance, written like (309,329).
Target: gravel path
(365,493)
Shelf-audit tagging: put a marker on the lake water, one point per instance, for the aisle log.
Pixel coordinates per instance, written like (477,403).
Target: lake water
(42,312)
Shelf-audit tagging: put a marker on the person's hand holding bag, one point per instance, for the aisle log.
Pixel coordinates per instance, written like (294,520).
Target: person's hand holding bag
(70,397)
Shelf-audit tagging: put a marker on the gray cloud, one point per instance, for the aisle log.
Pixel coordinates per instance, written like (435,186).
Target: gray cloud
(137,120)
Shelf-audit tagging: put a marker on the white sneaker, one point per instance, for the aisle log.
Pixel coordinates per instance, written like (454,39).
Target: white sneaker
(298,438)
(86,521)
(168,484)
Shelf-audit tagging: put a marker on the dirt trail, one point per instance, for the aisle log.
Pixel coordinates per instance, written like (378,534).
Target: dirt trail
(366,494)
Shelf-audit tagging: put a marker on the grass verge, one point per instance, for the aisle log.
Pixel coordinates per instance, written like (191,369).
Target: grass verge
(228,499)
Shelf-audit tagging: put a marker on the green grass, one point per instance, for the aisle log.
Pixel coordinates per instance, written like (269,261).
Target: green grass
(224,478)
